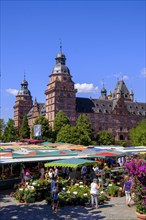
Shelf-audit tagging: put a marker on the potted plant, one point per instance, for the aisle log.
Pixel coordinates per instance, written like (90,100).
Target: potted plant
(112,190)
(137,171)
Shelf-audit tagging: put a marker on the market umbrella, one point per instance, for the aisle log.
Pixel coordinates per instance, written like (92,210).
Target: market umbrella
(105,155)
(72,162)
(8,149)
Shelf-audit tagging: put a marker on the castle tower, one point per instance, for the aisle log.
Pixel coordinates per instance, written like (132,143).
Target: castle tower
(131,95)
(60,93)
(23,103)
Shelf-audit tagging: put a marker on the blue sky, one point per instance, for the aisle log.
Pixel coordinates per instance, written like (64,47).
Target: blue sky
(102,41)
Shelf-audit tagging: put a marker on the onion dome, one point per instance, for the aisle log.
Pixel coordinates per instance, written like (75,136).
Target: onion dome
(103,91)
(60,66)
(24,89)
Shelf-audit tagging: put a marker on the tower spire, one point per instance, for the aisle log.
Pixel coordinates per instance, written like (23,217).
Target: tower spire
(24,74)
(60,45)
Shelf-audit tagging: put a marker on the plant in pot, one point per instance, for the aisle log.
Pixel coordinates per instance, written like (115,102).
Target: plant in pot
(29,195)
(137,171)
(112,190)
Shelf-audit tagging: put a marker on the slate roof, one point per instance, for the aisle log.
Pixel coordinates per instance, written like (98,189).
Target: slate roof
(121,87)
(88,105)
(41,109)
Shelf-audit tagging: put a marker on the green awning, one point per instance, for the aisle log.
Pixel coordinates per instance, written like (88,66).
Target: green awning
(73,163)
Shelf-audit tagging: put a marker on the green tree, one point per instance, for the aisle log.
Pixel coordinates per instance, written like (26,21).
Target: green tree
(10,132)
(64,135)
(47,133)
(2,128)
(105,138)
(60,120)
(138,134)
(25,130)
(84,131)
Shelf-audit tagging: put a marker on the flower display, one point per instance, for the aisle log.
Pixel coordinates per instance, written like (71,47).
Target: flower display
(137,171)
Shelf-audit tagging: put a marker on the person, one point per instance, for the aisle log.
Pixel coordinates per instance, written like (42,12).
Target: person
(63,172)
(42,172)
(51,173)
(126,189)
(22,174)
(83,172)
(55,172)
(95,169)
(55,198)
(95,185)
(27,177)
(46,174)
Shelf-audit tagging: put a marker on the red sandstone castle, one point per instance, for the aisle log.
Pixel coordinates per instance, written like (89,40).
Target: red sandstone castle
(115,112)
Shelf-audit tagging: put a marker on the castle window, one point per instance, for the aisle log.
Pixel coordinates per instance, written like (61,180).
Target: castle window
(136,107)
(130,106)
(121,128)
(133,113)
(142,107)
(110,105)
(121,137)
(103,105)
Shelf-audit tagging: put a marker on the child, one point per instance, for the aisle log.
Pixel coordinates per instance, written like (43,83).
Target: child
(55,198)
(126,189)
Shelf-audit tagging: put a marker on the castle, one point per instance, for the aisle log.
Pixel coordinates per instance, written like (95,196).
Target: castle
(115,112)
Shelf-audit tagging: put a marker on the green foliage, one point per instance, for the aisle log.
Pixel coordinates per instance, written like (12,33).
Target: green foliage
(105,138)
(112,189)
(47,133)
(64,135)
(79,134)
(60,121)
(83,129)
(138,134)
(2,127)
(24,130)
(10,131)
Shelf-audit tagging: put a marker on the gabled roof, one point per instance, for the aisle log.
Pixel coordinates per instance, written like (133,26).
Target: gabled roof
(41,109)
(121,87)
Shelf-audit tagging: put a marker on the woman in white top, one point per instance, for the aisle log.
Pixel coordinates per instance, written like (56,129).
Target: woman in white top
(94,193)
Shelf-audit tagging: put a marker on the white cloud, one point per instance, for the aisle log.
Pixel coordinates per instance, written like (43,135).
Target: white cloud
(86,88)
(121,76)
(125,77)
(12,91)
(143,72)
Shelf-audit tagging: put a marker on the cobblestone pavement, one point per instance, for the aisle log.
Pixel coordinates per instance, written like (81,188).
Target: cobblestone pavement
(114,209)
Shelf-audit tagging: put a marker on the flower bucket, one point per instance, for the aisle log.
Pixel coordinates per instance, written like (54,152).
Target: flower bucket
(141,216)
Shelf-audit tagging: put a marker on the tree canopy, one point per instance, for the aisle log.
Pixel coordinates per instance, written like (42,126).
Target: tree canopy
(83,129)
(47,133)
(10,132)
(105,138)
(60,120)
(2,128)
(25,130)
(138,134)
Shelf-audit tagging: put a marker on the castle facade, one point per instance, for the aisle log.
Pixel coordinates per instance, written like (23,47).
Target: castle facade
(115,112)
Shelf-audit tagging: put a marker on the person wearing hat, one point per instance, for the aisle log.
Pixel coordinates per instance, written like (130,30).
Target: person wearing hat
(95,185)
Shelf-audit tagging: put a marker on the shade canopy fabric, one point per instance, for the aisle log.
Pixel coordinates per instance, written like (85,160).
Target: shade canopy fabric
(105,155)
(73,163)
